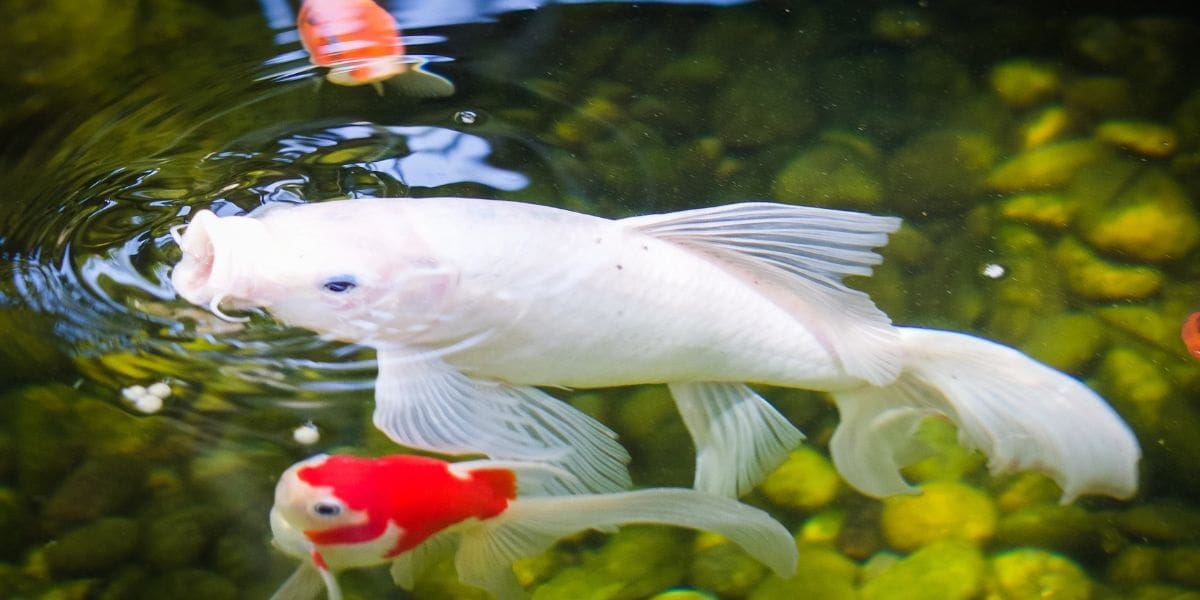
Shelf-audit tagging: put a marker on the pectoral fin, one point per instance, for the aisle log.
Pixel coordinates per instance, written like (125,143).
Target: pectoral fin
(422,402)
(739,436)
(305,583)
(410,565)
(417,82)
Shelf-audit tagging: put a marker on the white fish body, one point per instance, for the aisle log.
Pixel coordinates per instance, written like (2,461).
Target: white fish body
(471,303)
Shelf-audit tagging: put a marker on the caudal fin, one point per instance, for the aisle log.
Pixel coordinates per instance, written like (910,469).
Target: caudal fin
(1020,413)
(530,525)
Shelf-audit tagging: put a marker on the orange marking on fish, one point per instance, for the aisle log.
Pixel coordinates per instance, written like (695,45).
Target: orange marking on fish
(1191,334)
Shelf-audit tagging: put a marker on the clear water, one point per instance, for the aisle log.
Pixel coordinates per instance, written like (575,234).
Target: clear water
(115,135)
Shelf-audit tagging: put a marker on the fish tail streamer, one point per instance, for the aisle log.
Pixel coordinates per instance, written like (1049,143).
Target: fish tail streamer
(531,525)
(1020,413)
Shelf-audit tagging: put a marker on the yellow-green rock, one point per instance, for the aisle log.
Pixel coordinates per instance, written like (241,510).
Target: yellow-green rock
(1142,137)
(1135,383)
(901,25)
(1064,527)
(1134,564)
(1043,126)
(821,574)
(1046,209)
(1164,522)
(1067,341)
(1099,97)
(940,171)
(1152,219)
(93,548)
(1025,296)
(947,459)
(1045,166)
(825,527)
(1162,591)
(1092,278)
(831,174)
(1182,565)
(806,481)
(1143,322)
(1034,573)
(721,566)
(1022,83)
(943,510)
(637,562)
(950,570)
(1028,489)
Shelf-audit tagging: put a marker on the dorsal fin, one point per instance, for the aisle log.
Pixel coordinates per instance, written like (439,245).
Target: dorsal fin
(805,252)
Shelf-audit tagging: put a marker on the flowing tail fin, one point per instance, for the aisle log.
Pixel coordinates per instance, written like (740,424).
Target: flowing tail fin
(530,525)
(1020,413)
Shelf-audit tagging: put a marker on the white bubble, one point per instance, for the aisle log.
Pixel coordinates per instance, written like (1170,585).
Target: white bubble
(306,434)
(148,404)
(993,271)
(133,392)
(159,389)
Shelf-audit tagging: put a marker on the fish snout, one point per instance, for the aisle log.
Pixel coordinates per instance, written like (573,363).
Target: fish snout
(217,258)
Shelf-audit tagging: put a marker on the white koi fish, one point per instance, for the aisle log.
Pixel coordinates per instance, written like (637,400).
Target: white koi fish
(344,512)
(471,304)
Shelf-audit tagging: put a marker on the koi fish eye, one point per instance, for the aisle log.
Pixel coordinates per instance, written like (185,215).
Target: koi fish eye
(340,284)
(327,508)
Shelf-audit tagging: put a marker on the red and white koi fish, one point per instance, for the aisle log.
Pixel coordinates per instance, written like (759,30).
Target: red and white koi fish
(343,512)
(470,304)
(1191,334)
(359,42)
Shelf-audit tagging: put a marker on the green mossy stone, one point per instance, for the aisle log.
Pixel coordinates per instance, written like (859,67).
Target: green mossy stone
(238,481)
(723,568)
(1068,527)
(947,460)
(831,174)
(636,562)
(1090,277)
(1067,341)
(943,510)
(1160,591)
(1043,126)
(99,487)
(1164,522)
(1142,322)
(28,351)
(1101,97)
(95,548)
(1134,565)
(760,105)
(1022,82)
(821,574)
(44,435)
(940,172)
(1025,296)
(944,570)
(824,527)
(1134,384)
(1142,137)
(805,482)
(1151,220)
(1182,565)
(1052,210)
(1047,166)
(189,584)
(177,539)
(1035,573)
(79,589)
(15,524)
(1026,490)
(685,595)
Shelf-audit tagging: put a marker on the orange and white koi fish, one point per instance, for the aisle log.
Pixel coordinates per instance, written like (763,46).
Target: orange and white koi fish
(359,42)
(342,512)
(1191,334)
(471,304)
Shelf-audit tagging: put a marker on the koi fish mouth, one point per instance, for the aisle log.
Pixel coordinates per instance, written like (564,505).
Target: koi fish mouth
(211,271)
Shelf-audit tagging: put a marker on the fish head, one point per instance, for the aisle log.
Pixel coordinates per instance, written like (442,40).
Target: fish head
(311,509)
(347,270)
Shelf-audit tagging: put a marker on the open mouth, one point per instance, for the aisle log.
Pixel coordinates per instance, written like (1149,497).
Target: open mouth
(211,269)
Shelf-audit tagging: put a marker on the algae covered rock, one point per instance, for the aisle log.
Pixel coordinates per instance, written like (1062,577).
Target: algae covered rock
(1133,382)
(1023,82)
(724,568)
(821,574)
(1067,341)
(1045,166)
(1035,573)
(761,105)
(1043,126)
(178,538)
(635,563)
(1047,209)
(949,570)
(806,481)
(99,487)
(1100,97)
(947,460)
(1090,277)
(14,524)
(1055,526)
(1182,565)
(1151,220)
(189,584)
(831,174)
(1135,564)
(943,510)
(1142,137)
(941,171)
(94,548)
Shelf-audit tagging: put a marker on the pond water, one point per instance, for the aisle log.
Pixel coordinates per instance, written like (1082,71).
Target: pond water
(1046,162)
